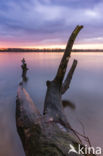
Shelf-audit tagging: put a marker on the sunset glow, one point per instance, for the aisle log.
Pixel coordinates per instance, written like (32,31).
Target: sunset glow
(76,46)
(48,24)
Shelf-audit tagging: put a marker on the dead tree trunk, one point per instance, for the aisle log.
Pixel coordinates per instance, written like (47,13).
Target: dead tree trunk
(49,134)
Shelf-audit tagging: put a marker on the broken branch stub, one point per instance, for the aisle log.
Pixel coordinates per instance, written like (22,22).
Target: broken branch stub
(24,70)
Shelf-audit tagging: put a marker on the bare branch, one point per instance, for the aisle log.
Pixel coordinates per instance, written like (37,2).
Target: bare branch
(68,79)
(63,65)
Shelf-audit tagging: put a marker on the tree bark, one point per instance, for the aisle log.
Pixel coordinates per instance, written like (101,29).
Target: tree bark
(68,79)
(40,135)
(49,134)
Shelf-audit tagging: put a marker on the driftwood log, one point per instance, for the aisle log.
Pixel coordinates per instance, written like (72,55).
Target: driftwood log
(49,134)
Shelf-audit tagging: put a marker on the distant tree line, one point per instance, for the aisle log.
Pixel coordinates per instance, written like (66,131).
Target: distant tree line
(47,50)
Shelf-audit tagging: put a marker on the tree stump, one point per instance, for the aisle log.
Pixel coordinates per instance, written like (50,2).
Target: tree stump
(24,70)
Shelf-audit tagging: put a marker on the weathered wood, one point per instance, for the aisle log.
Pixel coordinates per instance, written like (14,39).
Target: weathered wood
(53,101)
(24,70)
(68,79)
(63,65)
(49,134)
(40,135)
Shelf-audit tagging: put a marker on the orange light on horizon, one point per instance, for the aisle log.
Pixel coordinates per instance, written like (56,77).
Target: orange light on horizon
(75,46)
(88,46)
(33,46)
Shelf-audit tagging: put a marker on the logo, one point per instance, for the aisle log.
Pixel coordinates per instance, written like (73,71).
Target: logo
(84,150)
(72,149)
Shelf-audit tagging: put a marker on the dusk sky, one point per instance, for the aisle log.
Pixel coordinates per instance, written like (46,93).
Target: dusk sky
(48,23)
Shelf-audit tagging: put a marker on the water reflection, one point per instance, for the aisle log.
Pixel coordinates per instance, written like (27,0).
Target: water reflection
(86,92)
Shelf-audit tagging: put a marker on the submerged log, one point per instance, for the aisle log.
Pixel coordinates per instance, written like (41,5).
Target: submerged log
(49,134)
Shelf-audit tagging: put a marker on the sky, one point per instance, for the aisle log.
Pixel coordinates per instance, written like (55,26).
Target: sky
(49,23)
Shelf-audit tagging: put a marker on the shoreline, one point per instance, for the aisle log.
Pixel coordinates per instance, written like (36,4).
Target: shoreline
(48,51)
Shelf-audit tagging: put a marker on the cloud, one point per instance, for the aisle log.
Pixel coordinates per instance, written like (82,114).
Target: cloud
(47,21)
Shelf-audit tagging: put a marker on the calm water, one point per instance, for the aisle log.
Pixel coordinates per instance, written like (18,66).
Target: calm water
(86,92)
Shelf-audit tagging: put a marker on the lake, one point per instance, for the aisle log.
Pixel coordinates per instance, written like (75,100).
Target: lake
(86,92)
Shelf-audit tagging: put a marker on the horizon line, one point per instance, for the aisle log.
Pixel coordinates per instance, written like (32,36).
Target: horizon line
(52,48)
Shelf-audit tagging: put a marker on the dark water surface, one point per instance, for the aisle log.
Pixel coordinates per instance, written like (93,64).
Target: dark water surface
(86,92)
